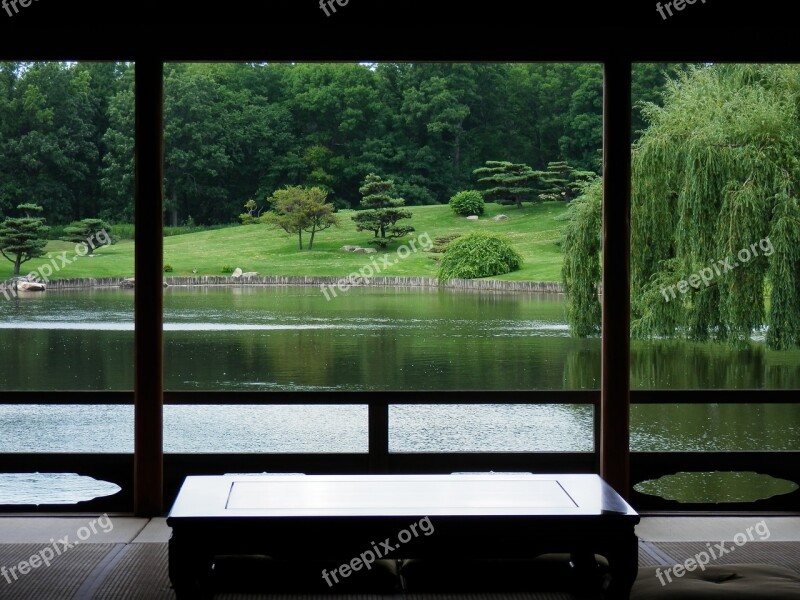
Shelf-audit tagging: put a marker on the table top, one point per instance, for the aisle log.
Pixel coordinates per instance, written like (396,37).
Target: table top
(473,494)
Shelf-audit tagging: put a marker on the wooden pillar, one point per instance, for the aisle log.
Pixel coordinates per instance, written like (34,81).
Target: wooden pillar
(615,382)
(149,378)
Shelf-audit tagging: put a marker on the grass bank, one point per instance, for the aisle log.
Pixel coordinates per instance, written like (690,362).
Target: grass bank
(533,231)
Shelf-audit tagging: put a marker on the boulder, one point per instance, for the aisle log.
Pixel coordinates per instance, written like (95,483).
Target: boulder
(249,275)
(473,218)
(500,218)
(349,248)
(130,283)
(237,272)
(370,251)
(30,286)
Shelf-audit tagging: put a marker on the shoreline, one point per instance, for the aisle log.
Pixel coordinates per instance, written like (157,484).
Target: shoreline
(315,281)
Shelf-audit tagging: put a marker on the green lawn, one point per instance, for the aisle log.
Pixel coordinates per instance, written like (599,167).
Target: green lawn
(532,230)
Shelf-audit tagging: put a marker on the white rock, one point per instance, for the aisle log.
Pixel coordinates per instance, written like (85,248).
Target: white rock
(30,286)
(473,218)
(500,218)
(237,272)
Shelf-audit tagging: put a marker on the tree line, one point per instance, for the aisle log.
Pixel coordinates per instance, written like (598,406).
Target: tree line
(235,132)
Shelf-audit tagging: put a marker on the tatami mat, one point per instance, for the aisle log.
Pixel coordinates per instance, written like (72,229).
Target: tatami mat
(138,570)
(59,581)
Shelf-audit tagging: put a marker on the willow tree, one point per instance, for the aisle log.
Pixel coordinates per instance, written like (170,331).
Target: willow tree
(581,271)
(715,209)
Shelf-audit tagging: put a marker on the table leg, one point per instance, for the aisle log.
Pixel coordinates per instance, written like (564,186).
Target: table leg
(588,577)
(623,562)
(190,569)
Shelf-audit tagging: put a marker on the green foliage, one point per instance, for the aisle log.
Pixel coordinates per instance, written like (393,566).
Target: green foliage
(168,269)
(714,174)
(242,130)
(581,271)
(563,182)
(478,255)
(227,269)
(296,209)
(123,231)
(509,183)
(252,214)
(93,233)
(23,238)
(467,203)
(382,211)
(648,81)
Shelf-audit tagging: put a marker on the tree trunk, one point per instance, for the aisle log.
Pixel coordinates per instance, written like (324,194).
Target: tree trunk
(300,239)
(17,264)
(311,241)
(174,210)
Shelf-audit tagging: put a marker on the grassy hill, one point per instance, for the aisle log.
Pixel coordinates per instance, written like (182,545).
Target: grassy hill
(532,230)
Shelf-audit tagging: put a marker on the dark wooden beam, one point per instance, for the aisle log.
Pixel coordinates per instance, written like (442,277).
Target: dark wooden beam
(615,382)
(149,377)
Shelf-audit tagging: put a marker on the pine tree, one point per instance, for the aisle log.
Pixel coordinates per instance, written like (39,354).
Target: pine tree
(382,211)
(563,182)
(90,232)
(23,238)
(512,183)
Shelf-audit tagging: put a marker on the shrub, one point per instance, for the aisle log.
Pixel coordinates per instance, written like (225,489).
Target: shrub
(478,255)
(227,269)
(168,269)
(467,203)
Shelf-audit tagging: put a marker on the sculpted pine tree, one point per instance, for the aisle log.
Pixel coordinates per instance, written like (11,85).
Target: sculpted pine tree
(90,232)
(23,238)
(509,183)
(563,182)
(382,211)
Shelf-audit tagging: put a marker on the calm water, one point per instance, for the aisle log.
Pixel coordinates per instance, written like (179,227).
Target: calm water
(366,339)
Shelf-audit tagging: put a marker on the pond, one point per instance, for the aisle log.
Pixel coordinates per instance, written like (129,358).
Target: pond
(292,338)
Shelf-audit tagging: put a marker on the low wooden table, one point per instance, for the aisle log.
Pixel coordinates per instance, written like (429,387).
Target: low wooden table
(483,515)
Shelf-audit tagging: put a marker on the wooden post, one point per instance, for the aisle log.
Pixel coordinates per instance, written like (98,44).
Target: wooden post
(149,379)
(615,382)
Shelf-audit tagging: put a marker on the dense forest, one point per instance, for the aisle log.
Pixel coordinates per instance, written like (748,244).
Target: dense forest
(235,132)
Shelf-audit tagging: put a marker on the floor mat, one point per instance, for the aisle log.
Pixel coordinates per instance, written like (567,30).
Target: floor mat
(58,581)
(784,554)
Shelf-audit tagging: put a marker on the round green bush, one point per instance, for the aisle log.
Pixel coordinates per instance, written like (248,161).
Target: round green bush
(467,203)
(168,269)
(478,255)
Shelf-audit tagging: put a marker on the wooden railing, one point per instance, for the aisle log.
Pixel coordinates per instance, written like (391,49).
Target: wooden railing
(118,468)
